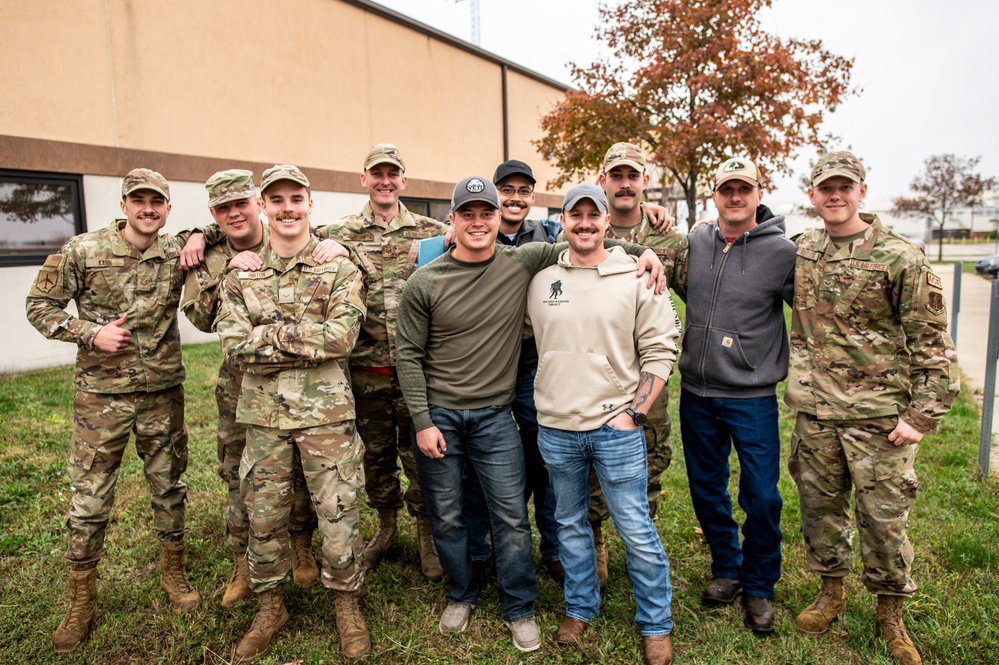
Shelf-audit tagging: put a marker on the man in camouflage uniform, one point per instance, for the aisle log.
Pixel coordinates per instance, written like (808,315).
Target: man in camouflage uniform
(235,207)
(126,282)
(290,326)
(872,370)
(624,178)
(383,240)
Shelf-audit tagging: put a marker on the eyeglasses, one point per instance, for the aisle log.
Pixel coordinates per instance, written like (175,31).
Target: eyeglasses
(507,190)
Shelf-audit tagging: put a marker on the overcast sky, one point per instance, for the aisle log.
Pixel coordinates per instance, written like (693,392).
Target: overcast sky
(928,69)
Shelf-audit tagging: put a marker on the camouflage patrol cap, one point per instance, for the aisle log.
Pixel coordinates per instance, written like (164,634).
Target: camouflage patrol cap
(231,185)
(384,153)
(624,154)
(737,168)
(283,172)
(839,163)
(582,191)
(474,188)
(144,179)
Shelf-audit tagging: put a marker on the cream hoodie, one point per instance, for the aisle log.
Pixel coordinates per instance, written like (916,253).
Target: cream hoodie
(597,328)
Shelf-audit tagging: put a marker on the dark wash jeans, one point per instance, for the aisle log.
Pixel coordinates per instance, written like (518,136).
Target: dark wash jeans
(487,441)
(710,426)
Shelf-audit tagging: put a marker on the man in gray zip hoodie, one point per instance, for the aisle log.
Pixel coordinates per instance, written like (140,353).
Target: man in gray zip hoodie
(735,277)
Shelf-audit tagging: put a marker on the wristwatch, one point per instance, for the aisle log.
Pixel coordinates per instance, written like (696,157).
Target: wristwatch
(638,418)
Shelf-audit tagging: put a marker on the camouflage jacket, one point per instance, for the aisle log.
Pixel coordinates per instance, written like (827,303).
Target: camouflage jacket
(295,367)
(869,331)
(202,288)
(387,255)
(668,246)
(108,277)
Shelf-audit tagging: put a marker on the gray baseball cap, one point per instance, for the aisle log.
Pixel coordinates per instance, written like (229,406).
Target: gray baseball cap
(474,188)
(582,191)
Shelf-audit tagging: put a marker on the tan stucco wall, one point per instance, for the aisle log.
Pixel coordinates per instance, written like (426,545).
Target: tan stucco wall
(310,82)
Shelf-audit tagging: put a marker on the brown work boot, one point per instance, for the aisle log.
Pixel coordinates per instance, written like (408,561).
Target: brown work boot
(385,538)
(891,628)
(239,583)
(430,563)
(75,626)
(354,639)
(814,620)
(657,650)
(173,577)
(303,562)
(570,632)
(601,547)
(271,616)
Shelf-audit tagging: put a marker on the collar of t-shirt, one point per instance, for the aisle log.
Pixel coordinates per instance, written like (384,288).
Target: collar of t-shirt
(846,240)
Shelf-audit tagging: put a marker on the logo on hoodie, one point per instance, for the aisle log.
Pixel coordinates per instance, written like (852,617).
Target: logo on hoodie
(556,289)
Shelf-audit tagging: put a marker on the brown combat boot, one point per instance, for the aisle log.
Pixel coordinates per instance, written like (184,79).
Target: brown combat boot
(430,563)
(75,626)
(271,617)
(385,538)
(814,620)
(601,547)
(657,650)
(354,639)
(303,563)
(239,584)
(173,577)
(891,628)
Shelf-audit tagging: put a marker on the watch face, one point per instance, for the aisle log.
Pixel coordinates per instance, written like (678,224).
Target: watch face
(638,418)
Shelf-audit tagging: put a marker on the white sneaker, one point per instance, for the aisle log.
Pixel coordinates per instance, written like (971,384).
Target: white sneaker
(455,618)
(525,634)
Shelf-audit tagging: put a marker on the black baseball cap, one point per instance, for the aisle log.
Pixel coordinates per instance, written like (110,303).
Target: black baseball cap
(513,167)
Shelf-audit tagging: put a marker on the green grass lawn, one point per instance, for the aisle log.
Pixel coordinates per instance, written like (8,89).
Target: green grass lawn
(954,526)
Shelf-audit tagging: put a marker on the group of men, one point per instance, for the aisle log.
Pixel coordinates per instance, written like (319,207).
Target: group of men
(336,366)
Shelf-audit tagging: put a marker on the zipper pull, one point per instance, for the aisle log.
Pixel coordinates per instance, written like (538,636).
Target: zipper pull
(728,247)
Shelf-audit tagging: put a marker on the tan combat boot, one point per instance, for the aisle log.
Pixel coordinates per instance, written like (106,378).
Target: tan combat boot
(271,617)
(75,626)
(601,547)
(239,584)
(814,620)
(303,563)
(387,536)
(173,577)
(354,639)
(891,628)
(430,563)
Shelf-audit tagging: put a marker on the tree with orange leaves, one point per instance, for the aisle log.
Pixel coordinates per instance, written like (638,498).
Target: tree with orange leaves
(694,81)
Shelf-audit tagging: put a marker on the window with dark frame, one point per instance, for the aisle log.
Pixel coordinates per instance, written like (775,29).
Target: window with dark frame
(39,212)
(432,208)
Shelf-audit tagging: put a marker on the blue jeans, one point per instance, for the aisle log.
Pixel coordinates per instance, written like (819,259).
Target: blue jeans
(538,484)
(620,460)
(486,440)
(710,426)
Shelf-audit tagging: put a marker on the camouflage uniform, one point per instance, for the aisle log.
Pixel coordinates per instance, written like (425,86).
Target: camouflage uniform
(668,246)
(135,390)
(200,304)
(296,394)
(387,255)
(869,345)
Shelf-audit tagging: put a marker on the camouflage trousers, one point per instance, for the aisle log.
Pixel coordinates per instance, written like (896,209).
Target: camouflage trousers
(659,448)
(384,425)
(231,442)
(331,462)
(830,459)
(103,425)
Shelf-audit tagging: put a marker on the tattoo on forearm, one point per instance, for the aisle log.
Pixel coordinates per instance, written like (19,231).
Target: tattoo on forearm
(645,383)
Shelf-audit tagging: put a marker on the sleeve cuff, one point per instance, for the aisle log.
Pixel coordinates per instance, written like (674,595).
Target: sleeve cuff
(919,421)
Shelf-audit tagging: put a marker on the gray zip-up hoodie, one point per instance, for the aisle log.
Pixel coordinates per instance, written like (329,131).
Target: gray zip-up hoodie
(735,341)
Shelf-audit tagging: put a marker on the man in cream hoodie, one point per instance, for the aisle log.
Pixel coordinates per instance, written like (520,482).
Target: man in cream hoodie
(597,326)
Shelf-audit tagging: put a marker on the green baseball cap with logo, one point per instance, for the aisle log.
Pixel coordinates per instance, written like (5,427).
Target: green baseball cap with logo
(840,163)
(283,172)
(624,154)
(474,188)
(737,168)
(137,179)
(230,185)
(383,153)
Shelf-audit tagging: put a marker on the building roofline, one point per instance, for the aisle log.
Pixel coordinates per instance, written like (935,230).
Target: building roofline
(385,12)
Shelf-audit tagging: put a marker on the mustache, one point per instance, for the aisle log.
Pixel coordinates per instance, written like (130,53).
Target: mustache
(625,192)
